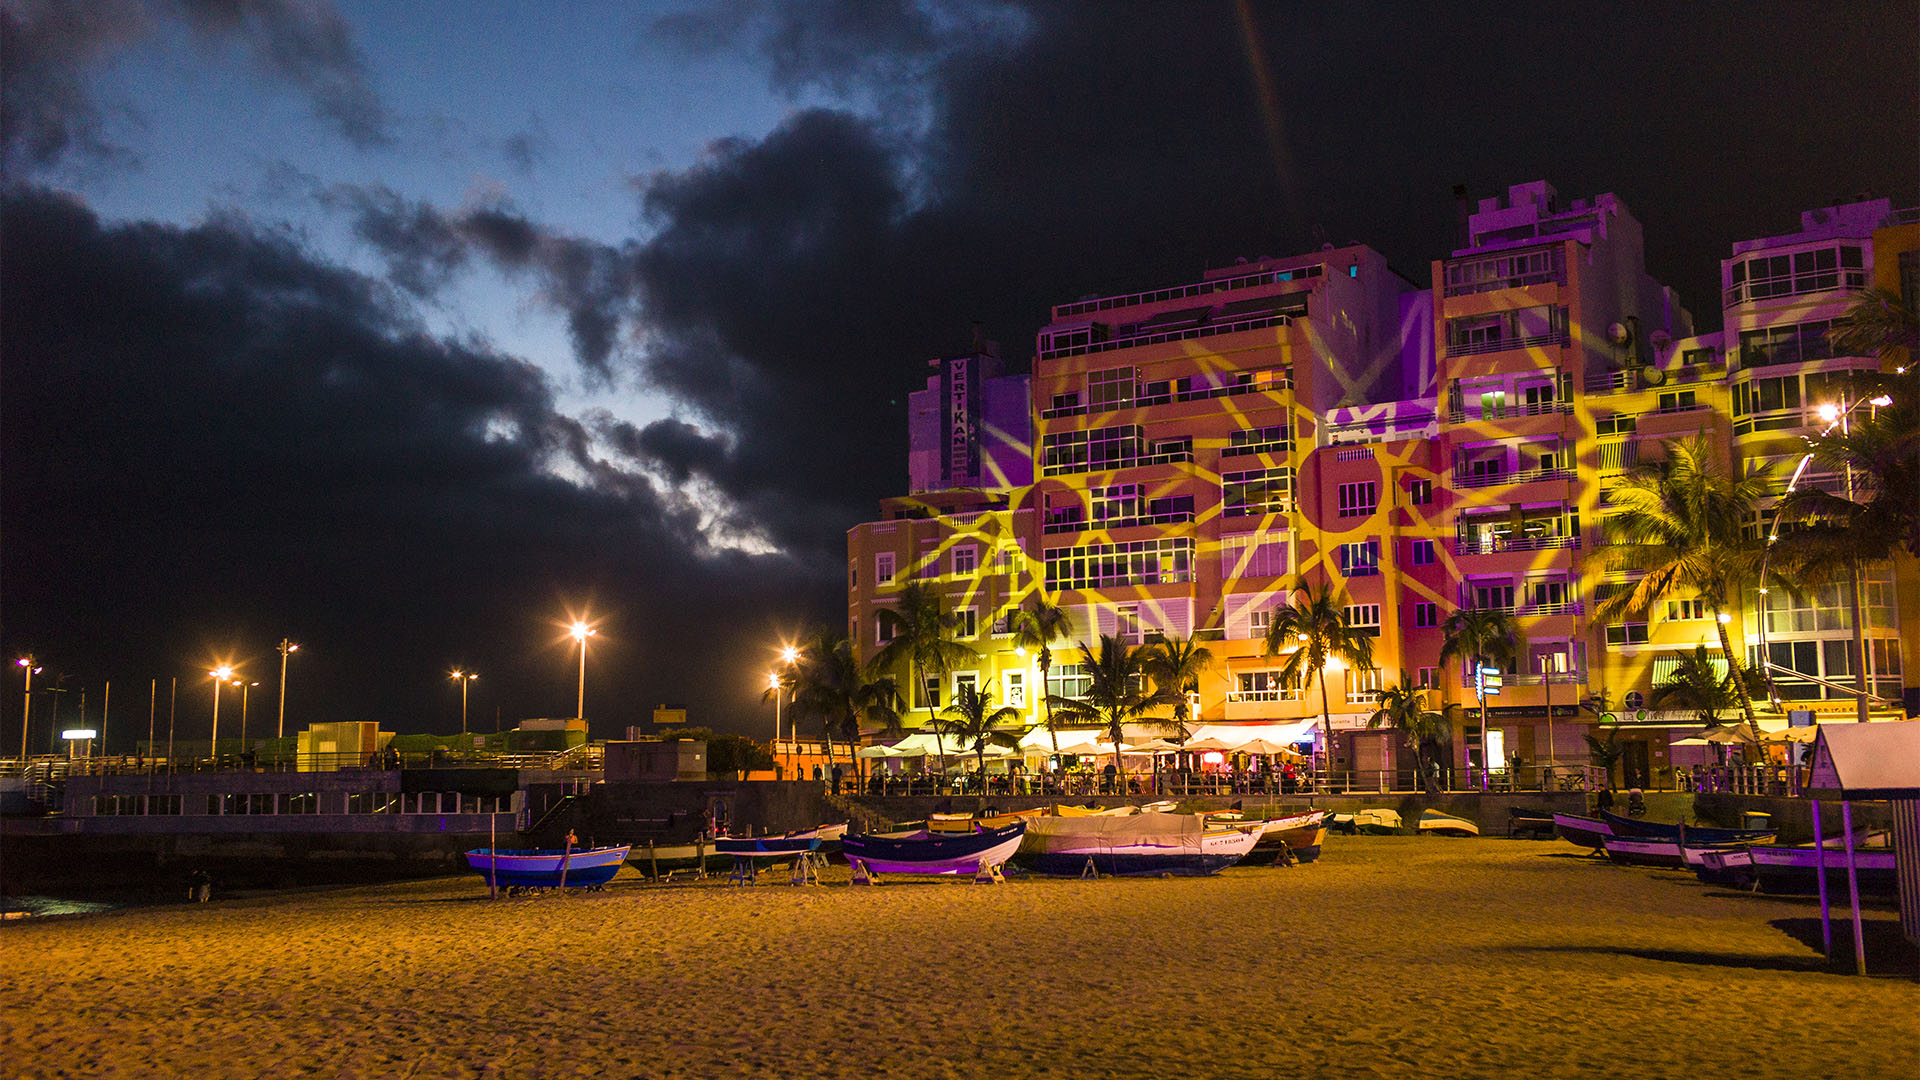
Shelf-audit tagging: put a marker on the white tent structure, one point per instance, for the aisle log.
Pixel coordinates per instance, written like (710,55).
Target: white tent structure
(1870,761)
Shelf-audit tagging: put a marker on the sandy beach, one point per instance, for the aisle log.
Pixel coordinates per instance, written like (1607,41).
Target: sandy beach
(1392,957)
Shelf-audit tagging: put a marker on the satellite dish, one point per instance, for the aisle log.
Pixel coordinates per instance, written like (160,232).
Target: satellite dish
(1618,333)
(1654,377)
(1660,338)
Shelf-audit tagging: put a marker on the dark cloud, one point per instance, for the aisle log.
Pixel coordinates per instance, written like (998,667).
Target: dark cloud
(46,111)
(48,50)
(307,43)
(528,147)
(213,440)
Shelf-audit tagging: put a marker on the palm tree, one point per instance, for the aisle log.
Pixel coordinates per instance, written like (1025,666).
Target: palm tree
(1680,522)
(1037,627)
(829,684)
(1697,686)
(1175,665)
(1878,323)
(1482,636)
(1116,690)
(978,724)
(1311,631)
(922,629)
(1403,707)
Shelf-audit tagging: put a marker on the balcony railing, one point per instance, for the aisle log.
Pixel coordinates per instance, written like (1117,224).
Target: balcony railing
(1560,607)
(1280,380)
(1542,277)
(1514,543)
(1082,525)
(1074,468)
(1518,476)
(1182,292)
(1263,695)
(1531,408)
(1475,348)
(1171,335)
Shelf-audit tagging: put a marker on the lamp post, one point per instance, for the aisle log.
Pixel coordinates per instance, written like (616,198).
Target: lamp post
(580,632)
(246,688)
(463,678)
(286,647)
(789,656)
(773,684)
(26,706)
(220,675)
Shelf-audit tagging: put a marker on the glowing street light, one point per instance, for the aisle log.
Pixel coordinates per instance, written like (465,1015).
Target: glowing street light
(464,678)
(580,632)
(285,648)
(773,687)
(221,674)
(26,707)
(246,688)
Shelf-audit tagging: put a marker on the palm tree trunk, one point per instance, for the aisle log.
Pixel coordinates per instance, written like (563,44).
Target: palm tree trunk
(1733,665)
(933,725)
(1046,662)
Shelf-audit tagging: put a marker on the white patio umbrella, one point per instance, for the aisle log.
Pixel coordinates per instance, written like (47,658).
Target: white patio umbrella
(1265,748)
(1207,744)
(1790,735)
(1091,749)
(1154,746)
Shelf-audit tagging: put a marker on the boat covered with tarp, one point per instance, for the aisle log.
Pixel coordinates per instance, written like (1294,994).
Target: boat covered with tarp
(1673,830)
(1371,822)
(1152,843)
(921,851)
(1441,823)
(547,868)
(1299,834)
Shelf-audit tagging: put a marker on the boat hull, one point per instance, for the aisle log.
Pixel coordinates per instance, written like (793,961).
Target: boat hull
(771,848)
(547,869)
(1793,870)
(1644,851)
(1585,831)
(1704,834)
(934,853)
(1218,851)
(1433,821)
(670,858)
(1302,834)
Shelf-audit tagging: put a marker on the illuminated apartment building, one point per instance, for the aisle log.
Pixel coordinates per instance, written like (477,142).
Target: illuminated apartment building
(1197,449)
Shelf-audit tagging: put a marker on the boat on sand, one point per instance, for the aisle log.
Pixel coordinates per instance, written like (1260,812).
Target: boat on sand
(922,851)
(1440,823)
(547,868)
(1143,844)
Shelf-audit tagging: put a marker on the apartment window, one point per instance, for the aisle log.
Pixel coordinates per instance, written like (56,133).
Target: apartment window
(1016,689)
(1496,596)
(1126,623)
(966,622)
(1777,394)
(1173,506)
(1063,403)
(1259,621)
(1364,619)
(1266,686)
(1359,499)
(928,564)
(1678,610)
(1360,559)
(1262,440)
(1420,553)
(883,568)
(1615,425)
(1253,555)
(1678,401)
(1119,502)
(1427,678)
(1801,272)
(1627,634)
(966,557)
(1068,681)
(1363,686)
(1788,344)
(853,576)
(1140,562)
(1419,492)
(1256,491)
(1111,389)
(883,629)
(1426,615)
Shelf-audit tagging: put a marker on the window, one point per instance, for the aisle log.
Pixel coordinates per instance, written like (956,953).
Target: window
(1633,700)
(883,568)
(1766,395)
(1788,344)
(1126,623)
(1359,499)
(1364,619)
(1016,689)
(1426,615)
(853,576)
(1627,634)
(1678,610)
(1360,559)
(928,564)
(1003,623)
(1427,678)
(1265,686)
(1678,401)
(1110,389)
(883,629)
(929,693)
(1420,553)
(1259,621)
(1253,555)
(1419,492)
(1615,425)
(1256,491)
(965,558)
(1363,687)
(1263,440)
(966,622)
(1140,562)
(1117,503)
(1173,507)
(1494,596)
(1065,403)
(1819,270)
(1068,681)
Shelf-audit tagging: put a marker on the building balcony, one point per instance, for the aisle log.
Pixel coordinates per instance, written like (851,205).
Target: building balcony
(1497,544)
(1072,468)
(1537,408)
(1280,380)
(1070,525)
(1519,281)
(1208,330)
(1517,476)
(1235,697)
(1536,341)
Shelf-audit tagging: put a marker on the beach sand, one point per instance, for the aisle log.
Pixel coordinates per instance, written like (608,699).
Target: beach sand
(1392,957)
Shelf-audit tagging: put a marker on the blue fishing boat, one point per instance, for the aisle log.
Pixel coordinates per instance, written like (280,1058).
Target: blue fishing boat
(1146,844)
(924,852)
(548,868)
(1626,826)
(788,846)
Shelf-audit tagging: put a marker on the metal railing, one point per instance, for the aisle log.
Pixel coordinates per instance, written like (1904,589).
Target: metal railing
(1281,380)
(1208,330)
(1476,348)
(1083,525)
(1182,292)
(1516,476)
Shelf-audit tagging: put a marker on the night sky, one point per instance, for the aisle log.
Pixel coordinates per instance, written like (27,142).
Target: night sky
(404,330)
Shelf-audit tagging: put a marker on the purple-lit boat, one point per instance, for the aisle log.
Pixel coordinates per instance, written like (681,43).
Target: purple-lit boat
(790,846)
(923,852)
(547,868)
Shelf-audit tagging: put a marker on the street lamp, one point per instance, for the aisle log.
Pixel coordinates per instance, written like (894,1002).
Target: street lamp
(580,632)
(285,647)
(220,675)
(463,678)
(773,686)
(26,706)
(245,689)
(1833,415)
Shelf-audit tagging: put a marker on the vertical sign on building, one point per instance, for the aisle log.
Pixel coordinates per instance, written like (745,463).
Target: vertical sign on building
(963,414)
